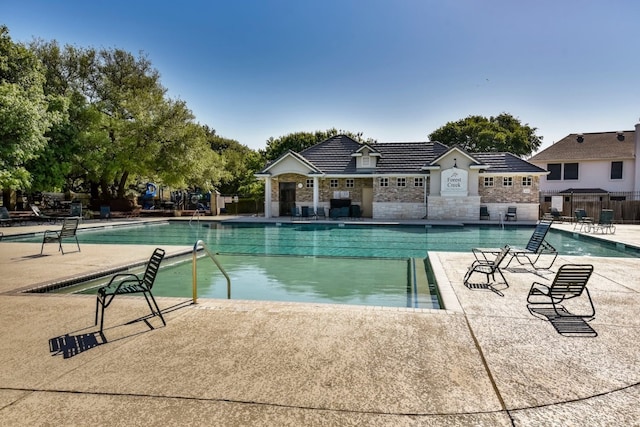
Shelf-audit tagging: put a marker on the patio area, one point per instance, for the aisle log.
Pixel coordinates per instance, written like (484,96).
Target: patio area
(484,361)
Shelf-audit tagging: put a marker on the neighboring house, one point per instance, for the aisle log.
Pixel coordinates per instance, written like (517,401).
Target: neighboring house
(411,180)
(603,162)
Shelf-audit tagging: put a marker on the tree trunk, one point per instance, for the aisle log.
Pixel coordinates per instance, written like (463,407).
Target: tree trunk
(122,185)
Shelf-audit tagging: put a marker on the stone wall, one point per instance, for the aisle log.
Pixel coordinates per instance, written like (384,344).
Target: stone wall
(525,211)
(514,194)
(382,210)
(393,193)
(454,208)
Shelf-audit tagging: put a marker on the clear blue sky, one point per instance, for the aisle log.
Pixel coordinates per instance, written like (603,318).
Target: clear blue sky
(395,70)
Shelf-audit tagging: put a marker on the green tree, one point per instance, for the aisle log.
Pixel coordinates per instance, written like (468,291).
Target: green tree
(25,116)
(122,128)
(240,165)
(298,141)
(503,133)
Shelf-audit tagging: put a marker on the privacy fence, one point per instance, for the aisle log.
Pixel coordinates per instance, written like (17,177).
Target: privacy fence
(625,205)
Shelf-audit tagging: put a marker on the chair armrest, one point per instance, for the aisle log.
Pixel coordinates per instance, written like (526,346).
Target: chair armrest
(481,254)
(538,288)
(128,277)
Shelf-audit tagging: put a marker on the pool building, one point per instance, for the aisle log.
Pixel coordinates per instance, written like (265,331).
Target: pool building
(341,177)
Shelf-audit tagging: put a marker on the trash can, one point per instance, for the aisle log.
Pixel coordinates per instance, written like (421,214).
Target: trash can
(76,209)
(105,212)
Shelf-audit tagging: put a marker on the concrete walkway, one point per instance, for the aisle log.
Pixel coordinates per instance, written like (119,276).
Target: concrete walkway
(485,361)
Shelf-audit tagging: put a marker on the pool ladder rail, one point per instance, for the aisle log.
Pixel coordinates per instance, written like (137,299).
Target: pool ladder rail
(194,271)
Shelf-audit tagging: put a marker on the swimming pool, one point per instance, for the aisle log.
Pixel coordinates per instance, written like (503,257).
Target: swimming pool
(338,239)
(325,262)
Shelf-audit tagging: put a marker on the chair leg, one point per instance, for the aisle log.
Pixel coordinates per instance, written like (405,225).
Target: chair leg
(157,308)
(97,307)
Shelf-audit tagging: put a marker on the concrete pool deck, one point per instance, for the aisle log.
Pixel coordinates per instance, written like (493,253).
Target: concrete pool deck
(485,361)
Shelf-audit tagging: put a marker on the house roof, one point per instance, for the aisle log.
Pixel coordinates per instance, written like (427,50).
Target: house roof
(594,146)
(506,163)
(583,191)
(334,156)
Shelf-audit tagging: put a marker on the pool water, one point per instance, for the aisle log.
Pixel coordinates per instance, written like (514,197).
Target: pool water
(378,282)
(337,239)
(324,262)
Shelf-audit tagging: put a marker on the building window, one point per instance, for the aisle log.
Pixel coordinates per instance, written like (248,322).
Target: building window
(616,170)
(401,182)
(555,171)
(349,183)
(527,181)
(488,181)
(570,171)
(384,182)
(333,183)
(418,182)
(507,181)
(366,161)
(309,183)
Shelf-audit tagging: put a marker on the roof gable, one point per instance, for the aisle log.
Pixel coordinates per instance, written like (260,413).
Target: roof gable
(289,162)
(591,146)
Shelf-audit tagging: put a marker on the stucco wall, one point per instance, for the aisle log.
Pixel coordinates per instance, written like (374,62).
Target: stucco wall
(592,174)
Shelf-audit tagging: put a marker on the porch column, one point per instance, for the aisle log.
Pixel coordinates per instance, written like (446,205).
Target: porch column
(267,197)
(316,193)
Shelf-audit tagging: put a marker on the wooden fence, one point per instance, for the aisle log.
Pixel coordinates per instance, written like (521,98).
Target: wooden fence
(625,205)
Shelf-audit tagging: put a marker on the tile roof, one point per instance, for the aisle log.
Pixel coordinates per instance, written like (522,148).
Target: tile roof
(334,157)
(595,146)
(506,163)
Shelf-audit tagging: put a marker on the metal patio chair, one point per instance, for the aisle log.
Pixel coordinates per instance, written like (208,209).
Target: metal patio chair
(295,213)
(68,231)
(512,214)
(582,220)
(129,284)
(605,223)
(489,268)
(484,212)
(531,253)
(570,282)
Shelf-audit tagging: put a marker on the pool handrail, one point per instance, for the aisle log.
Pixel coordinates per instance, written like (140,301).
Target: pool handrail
(196,246)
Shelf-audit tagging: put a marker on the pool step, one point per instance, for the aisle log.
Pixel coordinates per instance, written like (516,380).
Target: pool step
(422,297)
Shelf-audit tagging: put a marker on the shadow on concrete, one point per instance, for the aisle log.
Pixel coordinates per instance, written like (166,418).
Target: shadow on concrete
(72,345)
(69,345)
(567,325)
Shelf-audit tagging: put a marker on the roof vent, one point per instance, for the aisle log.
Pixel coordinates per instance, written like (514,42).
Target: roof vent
(580,138)
(620,135)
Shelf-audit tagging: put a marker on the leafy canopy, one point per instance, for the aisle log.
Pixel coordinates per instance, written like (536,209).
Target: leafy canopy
(24,112)
(502,133)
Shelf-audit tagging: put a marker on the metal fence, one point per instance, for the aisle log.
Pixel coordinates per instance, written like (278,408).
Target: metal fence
(625,205)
